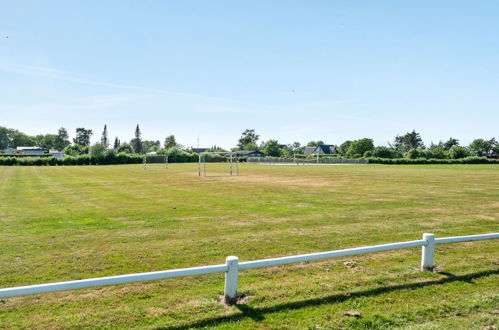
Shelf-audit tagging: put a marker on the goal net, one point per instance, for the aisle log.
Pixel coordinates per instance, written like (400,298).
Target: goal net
(230,158)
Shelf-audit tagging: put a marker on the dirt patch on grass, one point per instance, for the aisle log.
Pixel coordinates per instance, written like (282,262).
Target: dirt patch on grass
(276,180)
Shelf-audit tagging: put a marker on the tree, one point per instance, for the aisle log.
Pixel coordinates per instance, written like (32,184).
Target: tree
(116,143)
(459,152)
(83,136)
(97,150)
(415,153)
(247,140)
(149,146)
(47,141)
(271,148)
(438,152)
(4,137)
(410,140)
(451,142)
(315,143)
(126,148)
(18,139)
(170,142)
(62,139)
(344,147)
(137,141)
(359,147)
(75,150)
(384,152)
(104,139)
(481,147)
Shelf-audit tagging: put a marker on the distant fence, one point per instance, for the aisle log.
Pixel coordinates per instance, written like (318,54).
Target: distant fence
(304,161)
(232,267)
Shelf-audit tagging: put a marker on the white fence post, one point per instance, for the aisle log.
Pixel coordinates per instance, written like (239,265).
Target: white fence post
(428,253)
(231,276)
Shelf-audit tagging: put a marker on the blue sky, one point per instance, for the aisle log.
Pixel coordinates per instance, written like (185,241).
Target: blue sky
(292,70)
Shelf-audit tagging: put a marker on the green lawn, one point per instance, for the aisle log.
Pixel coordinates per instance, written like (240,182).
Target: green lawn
(64,223)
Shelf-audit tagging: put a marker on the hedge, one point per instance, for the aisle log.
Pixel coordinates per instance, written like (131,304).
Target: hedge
(110,158)
(402,161)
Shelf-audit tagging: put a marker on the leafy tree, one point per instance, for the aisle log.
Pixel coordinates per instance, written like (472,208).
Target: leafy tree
(137,141)
(216,149)
(62,139)
(415,153)
(75,150)
(104,141)
(150,146)
(47,141)
(296,148)
(97,150)
(18,139)
(272,148)
(359,147)
(4,137)
(384,152)
(126,148)
(438,152)
(116,143)
(247,140)
(83,136)
(459,152)
(170,142)
(315,143)
(344,147)
(410,140)
(433,145)
(450,143)
(480,147)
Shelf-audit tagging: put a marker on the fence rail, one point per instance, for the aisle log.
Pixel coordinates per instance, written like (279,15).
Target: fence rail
(232,267)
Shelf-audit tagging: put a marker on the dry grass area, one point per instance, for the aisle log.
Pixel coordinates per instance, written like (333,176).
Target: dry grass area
(63,223)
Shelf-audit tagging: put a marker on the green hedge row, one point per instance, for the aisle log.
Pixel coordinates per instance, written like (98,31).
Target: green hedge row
(108,158)
(111,158)
(467,160)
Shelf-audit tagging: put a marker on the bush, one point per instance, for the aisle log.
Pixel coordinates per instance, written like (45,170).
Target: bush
(383,152)
(459,152)
(415,154)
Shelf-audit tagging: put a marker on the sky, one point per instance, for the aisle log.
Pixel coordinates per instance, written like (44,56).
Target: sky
(291,70)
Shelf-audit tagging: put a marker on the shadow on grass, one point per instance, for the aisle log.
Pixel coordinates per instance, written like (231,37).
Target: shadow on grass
(258,314)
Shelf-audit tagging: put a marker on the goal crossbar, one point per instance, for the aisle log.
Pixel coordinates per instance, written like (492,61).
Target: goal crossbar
(233,160)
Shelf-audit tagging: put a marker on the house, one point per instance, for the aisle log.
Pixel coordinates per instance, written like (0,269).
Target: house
(323,149)
(9,151)
(56,153)
(31,150)
(199,150)
(245,153)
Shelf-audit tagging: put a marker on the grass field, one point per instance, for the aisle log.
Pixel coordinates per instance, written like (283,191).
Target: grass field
(64,223)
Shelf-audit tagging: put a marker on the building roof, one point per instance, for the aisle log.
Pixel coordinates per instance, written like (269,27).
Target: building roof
(328,148)
(245,153)
(30,148)
(325,148)
(199,150)
(309,150)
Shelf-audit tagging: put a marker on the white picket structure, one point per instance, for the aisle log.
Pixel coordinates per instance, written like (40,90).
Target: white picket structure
(232,267)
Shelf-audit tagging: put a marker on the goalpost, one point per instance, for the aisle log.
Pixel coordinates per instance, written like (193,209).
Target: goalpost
(144,162)
(233,160)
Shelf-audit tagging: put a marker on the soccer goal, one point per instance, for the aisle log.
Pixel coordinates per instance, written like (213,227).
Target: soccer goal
(232,160)
(155,159)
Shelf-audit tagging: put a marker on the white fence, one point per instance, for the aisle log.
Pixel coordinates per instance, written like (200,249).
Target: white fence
(304,161)
(233,266)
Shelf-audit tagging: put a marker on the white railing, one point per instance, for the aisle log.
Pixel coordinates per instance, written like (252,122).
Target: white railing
(233,266)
